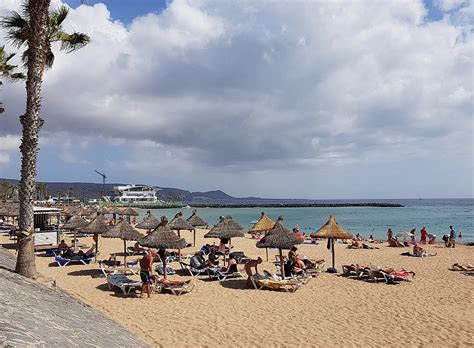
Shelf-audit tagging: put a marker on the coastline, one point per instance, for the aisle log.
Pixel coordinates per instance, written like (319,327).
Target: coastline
(435,309)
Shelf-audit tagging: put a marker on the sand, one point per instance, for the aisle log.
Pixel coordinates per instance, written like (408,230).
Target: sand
(435,310)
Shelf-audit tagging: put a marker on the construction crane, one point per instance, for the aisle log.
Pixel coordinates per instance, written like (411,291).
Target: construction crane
(103,181)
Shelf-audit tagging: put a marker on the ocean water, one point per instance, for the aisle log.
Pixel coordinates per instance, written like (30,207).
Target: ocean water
(435,214)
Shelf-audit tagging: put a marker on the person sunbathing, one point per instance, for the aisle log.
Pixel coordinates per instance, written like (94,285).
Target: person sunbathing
(463,267)
(312,263)
(355,244)
(231,266)
(419,251)
(161,280)
(212,260)
(298,266)
(63,247)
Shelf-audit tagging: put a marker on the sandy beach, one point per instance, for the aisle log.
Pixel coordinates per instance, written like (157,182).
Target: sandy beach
(433,310)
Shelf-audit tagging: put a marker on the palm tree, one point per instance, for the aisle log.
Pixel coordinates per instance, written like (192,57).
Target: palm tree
(35,29)
(8,70)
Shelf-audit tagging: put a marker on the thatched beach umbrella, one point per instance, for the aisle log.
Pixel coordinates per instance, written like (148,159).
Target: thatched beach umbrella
(331,231)
(75,223)
(97,226)
(163,238)
(281,238)
(196,221)
(227,228)
(124,231)
(129,211)
(264,224)
(149,222)
(178,224)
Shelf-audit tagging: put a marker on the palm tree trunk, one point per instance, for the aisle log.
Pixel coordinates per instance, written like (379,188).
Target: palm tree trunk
(31,123)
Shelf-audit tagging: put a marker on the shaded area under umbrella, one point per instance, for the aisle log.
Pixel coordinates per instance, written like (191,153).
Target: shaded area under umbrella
(124,231)
(281,238)
(264,224)
(178,224)
(331,231)
(162,237)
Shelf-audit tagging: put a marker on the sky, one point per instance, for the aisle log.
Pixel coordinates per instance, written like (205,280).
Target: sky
(275,99)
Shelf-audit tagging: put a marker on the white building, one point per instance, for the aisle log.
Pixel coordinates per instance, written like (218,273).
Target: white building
(135,193)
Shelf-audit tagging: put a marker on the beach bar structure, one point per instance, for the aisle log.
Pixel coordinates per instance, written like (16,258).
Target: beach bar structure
(47,233)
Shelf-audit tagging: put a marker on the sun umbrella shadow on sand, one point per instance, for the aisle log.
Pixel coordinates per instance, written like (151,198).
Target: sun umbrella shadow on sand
(331,231)
(162,237)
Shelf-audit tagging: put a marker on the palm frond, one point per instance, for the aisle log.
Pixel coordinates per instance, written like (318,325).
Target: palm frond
(61,14)
(73,42)
(16,27)
(18,76)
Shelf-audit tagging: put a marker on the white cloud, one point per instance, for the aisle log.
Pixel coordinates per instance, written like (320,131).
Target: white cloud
(258,87)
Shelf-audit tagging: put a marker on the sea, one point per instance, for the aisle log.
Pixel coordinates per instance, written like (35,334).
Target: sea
(434,214)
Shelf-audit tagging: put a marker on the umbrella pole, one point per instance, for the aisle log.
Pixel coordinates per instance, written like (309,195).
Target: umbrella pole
(179,233)
(75,240)
(125,253)
(281,265)
(194,238)
(266,252)
(164,263)
(333,254)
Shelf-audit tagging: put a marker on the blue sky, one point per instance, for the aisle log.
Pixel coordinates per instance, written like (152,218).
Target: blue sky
(126,10)
(356,99)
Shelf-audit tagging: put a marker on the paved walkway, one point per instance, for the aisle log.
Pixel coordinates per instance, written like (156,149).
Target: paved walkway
(32,314)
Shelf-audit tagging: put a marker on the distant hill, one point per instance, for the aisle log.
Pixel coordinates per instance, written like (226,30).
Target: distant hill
(82,190)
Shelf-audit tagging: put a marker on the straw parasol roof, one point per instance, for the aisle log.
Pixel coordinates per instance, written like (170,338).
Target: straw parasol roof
(195,220)
(129,211)
(13,210)
(90,210)
(115,210)
(149,223)
(97,225)
(123,230)
(75,222)
(331,230)
(162,237)
(279,237)
(263,224)
(9,209)
(178,223)
(226,228)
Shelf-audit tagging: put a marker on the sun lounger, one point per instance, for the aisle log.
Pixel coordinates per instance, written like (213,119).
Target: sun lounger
(264,282)
(107,269)
(176,287)
(169,269)
(222,275)
(63,261)
(192,270)
(122,282)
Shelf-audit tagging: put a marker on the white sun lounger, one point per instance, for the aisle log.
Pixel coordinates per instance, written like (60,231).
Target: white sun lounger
(175,289)
(122,282)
